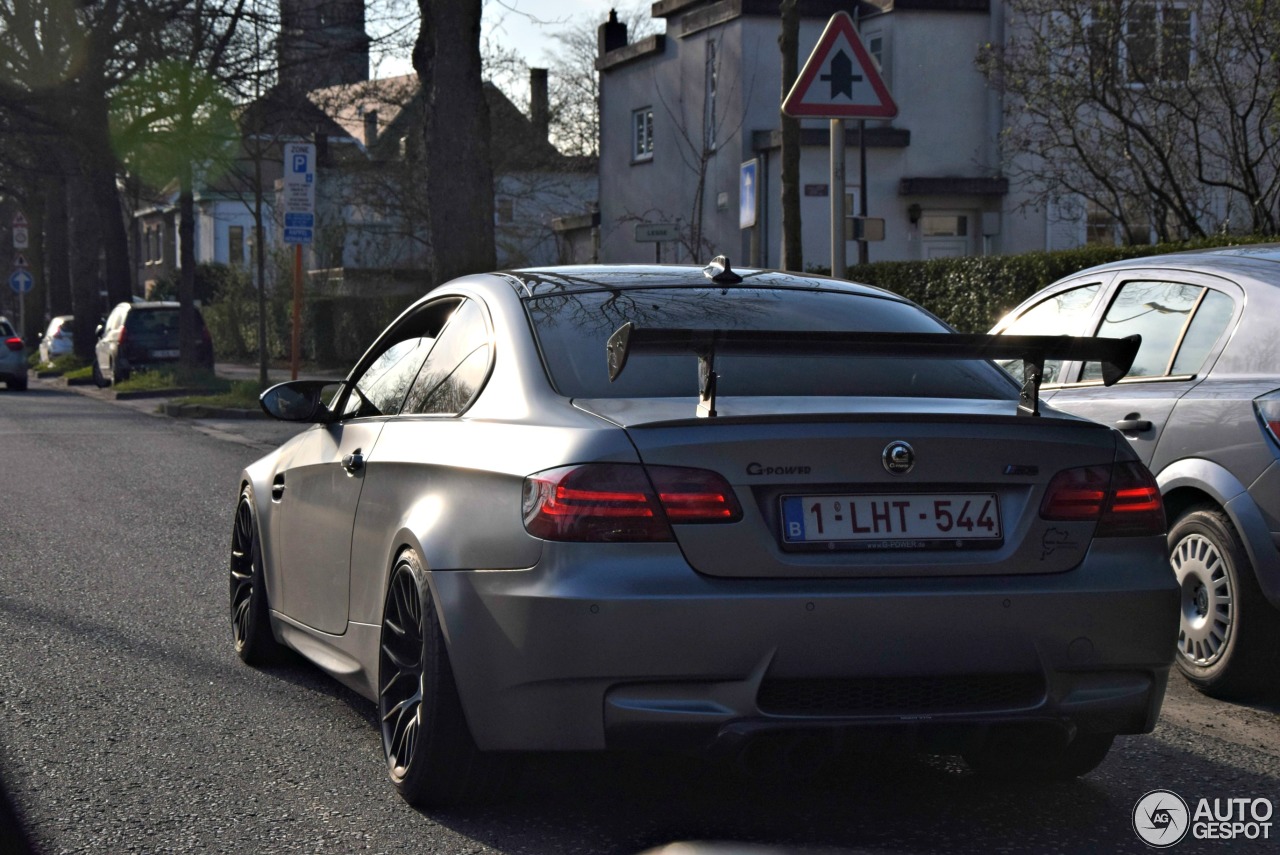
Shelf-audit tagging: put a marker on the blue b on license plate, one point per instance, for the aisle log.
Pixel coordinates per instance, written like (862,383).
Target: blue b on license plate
(889,519)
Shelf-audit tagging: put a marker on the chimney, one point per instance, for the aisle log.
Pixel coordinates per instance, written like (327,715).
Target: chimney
(611,35)
(370,129)
(539,108)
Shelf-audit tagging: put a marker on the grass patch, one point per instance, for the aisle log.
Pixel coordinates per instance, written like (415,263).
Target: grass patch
(84,372)
(201,379)
(242,395)
(64,365)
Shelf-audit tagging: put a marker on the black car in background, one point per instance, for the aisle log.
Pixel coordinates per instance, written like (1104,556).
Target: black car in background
(141,336)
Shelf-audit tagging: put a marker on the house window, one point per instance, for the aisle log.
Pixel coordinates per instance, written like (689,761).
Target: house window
(235,245)
(642,134)
(505,209)
(944,225)
(1158,42)
(875,47)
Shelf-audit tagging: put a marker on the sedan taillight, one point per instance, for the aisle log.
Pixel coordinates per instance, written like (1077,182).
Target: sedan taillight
(1124,499)
(619,502)
(1268,409)
(13,343)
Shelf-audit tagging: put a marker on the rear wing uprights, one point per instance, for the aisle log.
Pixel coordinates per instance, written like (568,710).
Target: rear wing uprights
(1115,354)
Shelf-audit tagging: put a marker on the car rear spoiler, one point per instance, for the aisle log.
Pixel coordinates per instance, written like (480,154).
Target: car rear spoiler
(1115,354)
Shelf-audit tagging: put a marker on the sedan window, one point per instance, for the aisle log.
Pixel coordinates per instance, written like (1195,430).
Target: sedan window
(1065,313)
(1161,313)
(383,386)
(456,367)
(572,331)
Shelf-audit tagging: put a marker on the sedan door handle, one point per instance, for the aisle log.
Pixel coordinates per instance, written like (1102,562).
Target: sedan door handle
(1138,425)
(353,462)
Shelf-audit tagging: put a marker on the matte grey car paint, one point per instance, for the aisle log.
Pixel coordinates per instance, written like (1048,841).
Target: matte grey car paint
(589,645)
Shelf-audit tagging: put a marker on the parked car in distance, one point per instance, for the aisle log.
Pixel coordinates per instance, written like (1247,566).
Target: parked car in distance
(1200,407)
(759,513)
(142,336)
(13,357)
(57,339)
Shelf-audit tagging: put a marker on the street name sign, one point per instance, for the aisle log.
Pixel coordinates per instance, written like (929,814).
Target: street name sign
(840,79)
(656,232)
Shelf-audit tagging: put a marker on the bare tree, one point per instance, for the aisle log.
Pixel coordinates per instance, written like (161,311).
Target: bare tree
(1162,117)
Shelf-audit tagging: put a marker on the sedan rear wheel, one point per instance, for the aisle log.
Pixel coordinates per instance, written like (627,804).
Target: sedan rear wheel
(250,622)
(431,756)
(1227,631)
(98,380)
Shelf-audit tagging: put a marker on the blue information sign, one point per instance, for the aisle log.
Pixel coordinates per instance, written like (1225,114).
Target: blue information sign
(21,281)
(747,194)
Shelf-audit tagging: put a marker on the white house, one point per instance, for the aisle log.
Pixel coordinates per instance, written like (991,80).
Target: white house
(683,111)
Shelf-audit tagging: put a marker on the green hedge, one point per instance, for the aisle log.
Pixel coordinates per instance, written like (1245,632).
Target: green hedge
(972,293)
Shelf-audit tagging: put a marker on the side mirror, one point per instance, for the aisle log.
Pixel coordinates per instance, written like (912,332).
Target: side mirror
(98,330)
(297,401)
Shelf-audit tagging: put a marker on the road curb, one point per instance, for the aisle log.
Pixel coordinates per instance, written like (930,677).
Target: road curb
(203,411)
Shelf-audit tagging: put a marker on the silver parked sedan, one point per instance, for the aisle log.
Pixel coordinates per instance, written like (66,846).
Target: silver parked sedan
(588,508)
(1201,408)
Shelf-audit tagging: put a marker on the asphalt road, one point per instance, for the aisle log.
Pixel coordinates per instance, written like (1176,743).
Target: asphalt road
(127,724)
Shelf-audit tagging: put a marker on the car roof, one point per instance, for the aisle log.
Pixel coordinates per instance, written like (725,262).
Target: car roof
(155,304)
(546,281)
(1258,261)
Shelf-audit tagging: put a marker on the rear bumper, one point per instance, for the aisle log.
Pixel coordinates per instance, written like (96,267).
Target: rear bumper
(594,649)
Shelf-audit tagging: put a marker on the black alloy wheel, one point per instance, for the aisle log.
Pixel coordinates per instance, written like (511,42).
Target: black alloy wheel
(431,756)
(98,379)
(250,623)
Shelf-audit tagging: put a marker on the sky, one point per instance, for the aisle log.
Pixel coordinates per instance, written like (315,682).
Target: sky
(525,26)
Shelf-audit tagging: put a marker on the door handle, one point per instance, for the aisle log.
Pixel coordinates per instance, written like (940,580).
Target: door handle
(1133,424)
(353,462)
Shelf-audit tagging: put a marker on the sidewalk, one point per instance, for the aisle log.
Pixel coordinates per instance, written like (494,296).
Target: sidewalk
(250,427)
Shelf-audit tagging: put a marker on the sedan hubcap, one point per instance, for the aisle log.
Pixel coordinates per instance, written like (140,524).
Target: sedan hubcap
(400,671)
(1208,601)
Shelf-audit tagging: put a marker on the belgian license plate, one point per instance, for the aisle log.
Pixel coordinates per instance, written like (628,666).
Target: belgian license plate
(164,354)
(891,520)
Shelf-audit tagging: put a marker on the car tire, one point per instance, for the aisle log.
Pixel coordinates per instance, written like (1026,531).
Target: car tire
(98,379)
(18,384)
(250,618)
(1020,759)
(431,756)
(1228,633)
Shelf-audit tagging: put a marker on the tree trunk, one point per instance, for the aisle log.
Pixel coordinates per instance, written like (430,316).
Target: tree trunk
(187,269)
(459,172)
(57,245)
(86,303)
(792,238)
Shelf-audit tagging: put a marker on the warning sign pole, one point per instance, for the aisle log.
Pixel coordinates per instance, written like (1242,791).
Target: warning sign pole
(841,81)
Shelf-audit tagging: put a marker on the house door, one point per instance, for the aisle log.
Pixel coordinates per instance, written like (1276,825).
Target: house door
(945,234)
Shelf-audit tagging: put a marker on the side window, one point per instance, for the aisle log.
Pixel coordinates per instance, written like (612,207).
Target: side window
(1207,326)
(380,390)
(456,366)
(1157,311)
(1064,313)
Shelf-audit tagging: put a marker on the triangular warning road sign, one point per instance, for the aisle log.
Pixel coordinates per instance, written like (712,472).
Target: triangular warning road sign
(840,79)
(20,262)
(19,219)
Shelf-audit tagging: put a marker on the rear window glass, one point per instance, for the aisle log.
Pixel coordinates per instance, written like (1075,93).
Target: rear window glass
(572,330)
(153,321)
(5,329)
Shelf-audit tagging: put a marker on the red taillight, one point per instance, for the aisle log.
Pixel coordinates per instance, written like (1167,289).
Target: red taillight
(1268,409)
(1124,499)
(612,502)
(123,335)
(13,343)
